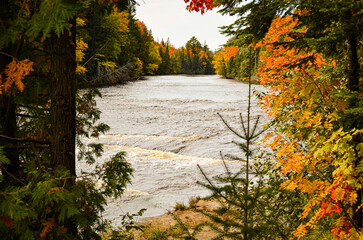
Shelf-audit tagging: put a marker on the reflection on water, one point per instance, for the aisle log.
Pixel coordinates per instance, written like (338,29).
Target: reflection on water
(168,125)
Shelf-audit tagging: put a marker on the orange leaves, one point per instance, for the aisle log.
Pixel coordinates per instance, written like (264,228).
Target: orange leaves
(172,51)
(144,31)
(222,57)
(55,189)
(318,158)
(14,74)
(230,52)
(47,227)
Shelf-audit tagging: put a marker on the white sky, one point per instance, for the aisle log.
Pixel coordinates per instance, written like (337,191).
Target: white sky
(169,18)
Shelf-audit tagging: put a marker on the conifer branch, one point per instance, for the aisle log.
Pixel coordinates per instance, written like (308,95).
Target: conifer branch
(231,179)
(215,189)
(230,128)
(243,124)
(255,127)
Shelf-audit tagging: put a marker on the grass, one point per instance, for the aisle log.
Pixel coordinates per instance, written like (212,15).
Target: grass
(193,202)
(180,207)
(156,234)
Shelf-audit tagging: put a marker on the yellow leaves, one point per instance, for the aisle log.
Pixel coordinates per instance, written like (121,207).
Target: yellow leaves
(108,64)
(138,67)
(307,208)
(117,21)
(81,69)
(301,231)
(14,74)
(81,47)
(80,22)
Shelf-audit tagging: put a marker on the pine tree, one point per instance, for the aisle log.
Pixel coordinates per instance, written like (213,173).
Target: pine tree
(252,204)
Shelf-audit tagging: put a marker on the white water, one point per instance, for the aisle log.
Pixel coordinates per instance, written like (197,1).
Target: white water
(168,125)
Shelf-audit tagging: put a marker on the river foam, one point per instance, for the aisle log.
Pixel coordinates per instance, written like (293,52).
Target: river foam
(168,125)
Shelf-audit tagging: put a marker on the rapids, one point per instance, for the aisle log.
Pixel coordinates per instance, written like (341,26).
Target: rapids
(168,125)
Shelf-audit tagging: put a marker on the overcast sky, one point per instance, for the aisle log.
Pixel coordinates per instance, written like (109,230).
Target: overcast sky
(170,19)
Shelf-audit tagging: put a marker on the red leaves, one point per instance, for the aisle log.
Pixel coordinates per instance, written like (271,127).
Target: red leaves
(328,208)
(337,231)
(200,5)
(7,221)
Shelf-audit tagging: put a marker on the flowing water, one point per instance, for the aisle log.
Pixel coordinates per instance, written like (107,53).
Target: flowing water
(168,125)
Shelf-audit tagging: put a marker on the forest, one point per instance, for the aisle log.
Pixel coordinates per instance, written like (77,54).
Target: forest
(308,185)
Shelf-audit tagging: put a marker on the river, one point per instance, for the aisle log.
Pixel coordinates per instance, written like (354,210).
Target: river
(168,125)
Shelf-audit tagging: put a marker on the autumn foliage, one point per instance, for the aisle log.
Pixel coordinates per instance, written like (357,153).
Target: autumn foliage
(221,59)
(14,74)
(313,100)
(312,147)
(200,5)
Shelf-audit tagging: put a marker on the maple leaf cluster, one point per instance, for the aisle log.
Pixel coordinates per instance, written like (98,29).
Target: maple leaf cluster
(200,5)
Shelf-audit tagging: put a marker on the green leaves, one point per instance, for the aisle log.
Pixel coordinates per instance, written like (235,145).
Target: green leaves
(115,174)
(50,202)
(53,16)
(3,158)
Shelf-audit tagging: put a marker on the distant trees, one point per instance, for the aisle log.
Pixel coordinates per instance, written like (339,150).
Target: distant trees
(191,59)
(117,47)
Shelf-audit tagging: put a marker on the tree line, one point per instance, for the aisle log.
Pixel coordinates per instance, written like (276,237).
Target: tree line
(113,47)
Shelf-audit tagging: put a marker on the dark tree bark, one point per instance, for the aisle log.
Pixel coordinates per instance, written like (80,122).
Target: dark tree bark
(352,63)
(8,128)
(353,69)
(63,103)
(8,123)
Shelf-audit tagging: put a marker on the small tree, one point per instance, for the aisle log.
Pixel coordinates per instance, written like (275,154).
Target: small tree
(252,205)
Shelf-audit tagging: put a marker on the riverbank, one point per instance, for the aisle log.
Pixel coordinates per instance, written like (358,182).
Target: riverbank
(254,80)
(167,226)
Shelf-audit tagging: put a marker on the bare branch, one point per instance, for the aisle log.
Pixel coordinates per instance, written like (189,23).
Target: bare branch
(26,140)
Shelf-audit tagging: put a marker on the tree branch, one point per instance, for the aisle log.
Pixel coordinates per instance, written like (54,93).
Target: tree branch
(26,140)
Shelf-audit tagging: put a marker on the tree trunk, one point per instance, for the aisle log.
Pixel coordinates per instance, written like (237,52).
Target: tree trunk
(352,63)
(63,104)
(8,128)
(8,125)
(353,69)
